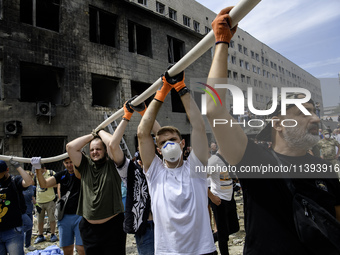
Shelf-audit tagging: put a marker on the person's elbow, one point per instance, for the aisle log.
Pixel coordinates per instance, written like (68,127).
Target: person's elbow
(69,147)
(141,132)
(28,183)
(114,145)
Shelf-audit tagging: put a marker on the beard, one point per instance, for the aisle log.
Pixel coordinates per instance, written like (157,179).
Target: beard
(299,138)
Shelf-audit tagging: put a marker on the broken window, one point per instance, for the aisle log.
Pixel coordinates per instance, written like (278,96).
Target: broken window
(137,88)
(196,26)
(139,39)
(103,27)
(176,102)
(175,49)
(45,147)
(40,83)
(1,9)
(160,7)
(143,2)
(105,91)
(41,13)
(186,21)
(172,14)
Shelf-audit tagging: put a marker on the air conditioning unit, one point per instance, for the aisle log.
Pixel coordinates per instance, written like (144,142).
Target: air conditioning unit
(45,109)
(13,127)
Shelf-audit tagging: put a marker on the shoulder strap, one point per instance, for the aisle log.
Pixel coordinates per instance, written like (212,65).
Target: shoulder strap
(288,181)
(231,174)
(220,156)
(69,191)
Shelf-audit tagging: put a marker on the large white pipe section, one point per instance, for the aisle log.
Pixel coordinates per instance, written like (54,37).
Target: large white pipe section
(237,14)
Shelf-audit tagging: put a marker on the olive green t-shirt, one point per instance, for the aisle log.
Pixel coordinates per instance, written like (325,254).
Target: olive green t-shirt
(100,193)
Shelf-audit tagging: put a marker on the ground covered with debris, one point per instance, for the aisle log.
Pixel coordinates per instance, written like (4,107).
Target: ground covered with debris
(236,241)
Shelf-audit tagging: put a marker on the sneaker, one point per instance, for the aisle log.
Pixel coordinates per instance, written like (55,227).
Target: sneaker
(40,239)
(54,238)
(31,248)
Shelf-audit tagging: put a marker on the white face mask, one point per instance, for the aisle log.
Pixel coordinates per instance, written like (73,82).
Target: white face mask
(171,151)
(327,136)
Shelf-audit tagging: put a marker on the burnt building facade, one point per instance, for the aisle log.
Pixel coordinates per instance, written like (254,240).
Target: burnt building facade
(64,64)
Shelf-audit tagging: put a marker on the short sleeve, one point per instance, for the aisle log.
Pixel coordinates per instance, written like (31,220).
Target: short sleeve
(123,169)
(152,173)
(197,169)
(83,164)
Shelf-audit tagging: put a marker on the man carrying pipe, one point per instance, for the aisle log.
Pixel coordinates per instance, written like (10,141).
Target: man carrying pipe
(178,193)
(268,207)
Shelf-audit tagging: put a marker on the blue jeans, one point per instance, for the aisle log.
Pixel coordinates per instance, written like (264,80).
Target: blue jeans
(12,241)
(27,224)
(145,243)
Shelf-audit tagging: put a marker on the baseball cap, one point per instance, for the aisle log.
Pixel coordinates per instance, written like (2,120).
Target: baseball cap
(325,132)
(265,133)
(3,166)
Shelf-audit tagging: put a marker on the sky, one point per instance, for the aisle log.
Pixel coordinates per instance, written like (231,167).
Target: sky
(307,32)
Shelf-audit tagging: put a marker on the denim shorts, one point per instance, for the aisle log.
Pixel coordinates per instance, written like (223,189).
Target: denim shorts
(69,229)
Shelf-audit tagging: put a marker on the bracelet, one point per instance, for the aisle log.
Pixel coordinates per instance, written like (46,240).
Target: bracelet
(221,42)
(183,91)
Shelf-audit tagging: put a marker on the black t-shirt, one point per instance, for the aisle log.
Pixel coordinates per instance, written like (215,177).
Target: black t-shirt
(269,222)
(10,208)
(65,179)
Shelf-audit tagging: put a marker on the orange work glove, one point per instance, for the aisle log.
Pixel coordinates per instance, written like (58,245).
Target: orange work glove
(177,81)
(162,92)
(141,108)
(128,111)
(221,26)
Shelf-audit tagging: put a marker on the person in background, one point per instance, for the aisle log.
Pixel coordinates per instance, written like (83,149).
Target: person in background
(12,207)
(29,201)
(45,197)
(68,226)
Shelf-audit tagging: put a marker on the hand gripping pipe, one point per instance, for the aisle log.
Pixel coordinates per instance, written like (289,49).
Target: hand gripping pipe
(237,14)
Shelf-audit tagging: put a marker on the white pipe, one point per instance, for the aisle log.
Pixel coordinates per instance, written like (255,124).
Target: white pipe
(237,14)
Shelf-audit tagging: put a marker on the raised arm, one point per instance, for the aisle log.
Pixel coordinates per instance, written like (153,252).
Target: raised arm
(74,147)
(26,179)
(44,183)
(145,140)
(232,140)
(148,124)
(199,140)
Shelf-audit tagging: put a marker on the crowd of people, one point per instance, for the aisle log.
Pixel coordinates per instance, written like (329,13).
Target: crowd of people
(166,200)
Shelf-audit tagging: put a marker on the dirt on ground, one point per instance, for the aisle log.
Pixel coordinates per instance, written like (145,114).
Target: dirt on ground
(236,241)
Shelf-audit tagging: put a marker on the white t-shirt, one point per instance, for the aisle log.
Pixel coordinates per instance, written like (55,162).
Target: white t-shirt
(221,183)
(179,204)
